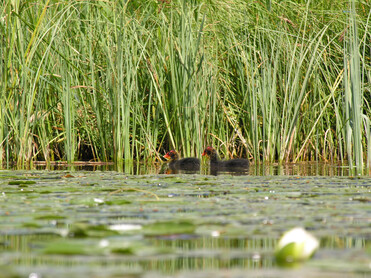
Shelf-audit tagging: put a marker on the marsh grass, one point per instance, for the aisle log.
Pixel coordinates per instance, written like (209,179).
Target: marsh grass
(354,90)
(112,80)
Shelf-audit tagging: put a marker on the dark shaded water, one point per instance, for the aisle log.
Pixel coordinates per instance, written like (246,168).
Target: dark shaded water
(132,168)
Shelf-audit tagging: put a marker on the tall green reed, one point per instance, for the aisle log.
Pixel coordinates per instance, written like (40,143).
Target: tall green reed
(129,80)
(186,96)
(353,94)
(273,79)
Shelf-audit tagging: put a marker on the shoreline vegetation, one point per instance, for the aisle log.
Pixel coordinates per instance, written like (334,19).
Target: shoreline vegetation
(271,81)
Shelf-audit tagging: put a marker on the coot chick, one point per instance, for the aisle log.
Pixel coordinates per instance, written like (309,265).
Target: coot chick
(238,164)
(188,164)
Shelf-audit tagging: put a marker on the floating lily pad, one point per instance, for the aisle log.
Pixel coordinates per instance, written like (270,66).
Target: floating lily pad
(123,251)
(86,230)
(50,217)
(31,225)
(164,222)
(118,202)
(21,182)
(69,247)
(169,228)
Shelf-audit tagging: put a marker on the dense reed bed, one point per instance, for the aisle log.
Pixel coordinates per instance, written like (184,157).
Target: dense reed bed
(119,80)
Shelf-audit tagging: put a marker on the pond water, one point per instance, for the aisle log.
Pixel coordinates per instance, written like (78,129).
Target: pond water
(301,169)
(144,222)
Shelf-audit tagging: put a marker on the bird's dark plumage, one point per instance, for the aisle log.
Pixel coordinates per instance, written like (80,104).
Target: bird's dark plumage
(189,163)
(237,164)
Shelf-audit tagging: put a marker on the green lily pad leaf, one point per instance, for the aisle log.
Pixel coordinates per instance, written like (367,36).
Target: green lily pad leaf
(45,192)
(169,228)
(118,202)
(50,217)
(31,225)
(63,248)
(21,182)
(68,247)
(141,248)
(85,230)
(123,251)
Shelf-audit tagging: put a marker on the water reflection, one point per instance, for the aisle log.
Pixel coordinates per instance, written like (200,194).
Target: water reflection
(140,168)
(300,169)
(196,253)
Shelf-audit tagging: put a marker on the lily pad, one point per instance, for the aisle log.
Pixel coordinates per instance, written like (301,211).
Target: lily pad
(50,217)
(169,228)
(86,230)
(163,223)
(21,182)
(68,247)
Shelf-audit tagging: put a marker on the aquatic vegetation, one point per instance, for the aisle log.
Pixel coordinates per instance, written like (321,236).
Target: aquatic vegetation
(295,246)
(71,223)
(272,81)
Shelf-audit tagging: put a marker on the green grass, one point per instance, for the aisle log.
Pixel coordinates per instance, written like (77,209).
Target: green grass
(272,81)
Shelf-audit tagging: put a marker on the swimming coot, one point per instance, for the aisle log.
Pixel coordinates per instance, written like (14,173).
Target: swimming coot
(237,164)
(189,163)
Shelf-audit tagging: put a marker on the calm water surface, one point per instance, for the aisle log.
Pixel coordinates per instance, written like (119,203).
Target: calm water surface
(301,169)
(141,221)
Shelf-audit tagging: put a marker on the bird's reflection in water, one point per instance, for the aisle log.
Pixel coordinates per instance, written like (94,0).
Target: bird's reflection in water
(180,171)
(234,172)
(211,171)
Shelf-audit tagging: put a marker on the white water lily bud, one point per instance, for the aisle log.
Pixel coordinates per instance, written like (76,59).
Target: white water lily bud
(296,245)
